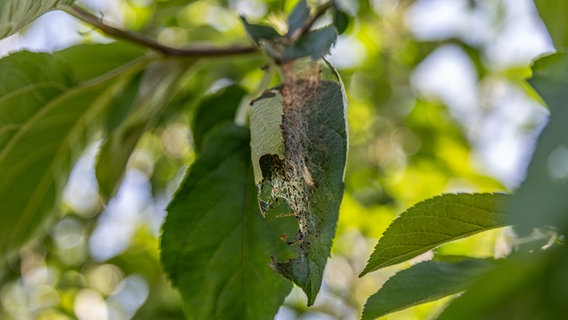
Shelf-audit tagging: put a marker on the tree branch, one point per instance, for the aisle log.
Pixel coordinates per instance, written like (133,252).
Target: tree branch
(113,32)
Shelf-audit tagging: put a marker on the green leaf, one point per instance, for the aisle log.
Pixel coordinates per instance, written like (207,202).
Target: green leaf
(92,60)
(122,105)
(541,199)
(215,109)
(523,286)
(155,89)
(424,282)
(553,14)
(259,32)
(215,245)
(298,17)
(436,221)
(16,14)
(309,179)
(340,20)
(315,44)
(45,119)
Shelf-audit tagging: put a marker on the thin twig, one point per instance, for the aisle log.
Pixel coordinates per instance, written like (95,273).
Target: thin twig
(113,32)
(320,11)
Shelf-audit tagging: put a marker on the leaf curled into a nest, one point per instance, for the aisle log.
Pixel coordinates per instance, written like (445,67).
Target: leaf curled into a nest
(299,150)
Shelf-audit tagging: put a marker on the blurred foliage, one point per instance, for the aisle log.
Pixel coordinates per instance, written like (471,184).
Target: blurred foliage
(405,146)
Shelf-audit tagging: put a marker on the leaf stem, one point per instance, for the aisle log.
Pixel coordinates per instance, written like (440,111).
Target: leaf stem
(117,33)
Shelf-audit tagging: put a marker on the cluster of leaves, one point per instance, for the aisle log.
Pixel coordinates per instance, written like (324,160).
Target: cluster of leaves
(529,282)
(216,246)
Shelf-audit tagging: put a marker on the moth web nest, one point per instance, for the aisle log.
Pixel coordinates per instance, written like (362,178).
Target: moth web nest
(299,87)
(301,81)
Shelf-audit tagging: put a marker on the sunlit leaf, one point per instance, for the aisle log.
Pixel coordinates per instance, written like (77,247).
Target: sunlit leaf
(214,110)
(424,282)
(16,14)
(266,129)
(155,90)
(541,200)
(315,44)
(553,14)
(216,246)
(310,176)
(45,120)
(436,221)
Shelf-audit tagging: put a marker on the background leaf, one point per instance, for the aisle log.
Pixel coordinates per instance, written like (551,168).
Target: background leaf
(216,246)
(340,20)
(553,14)
(155,89)
(215,109)
(541,200)
(315,44)
(523,286)
(259,32)
(298,17)
(45,120)
(424,282)
(92,60)
(433,222)
(16,14)
(88,61)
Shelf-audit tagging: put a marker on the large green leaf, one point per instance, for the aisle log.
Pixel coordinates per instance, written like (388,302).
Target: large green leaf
(541,200)
(46,116)
(92,60)
(424,282)
(154,90)
(215,109)
(216,246)
(436,221)
(16,14)
(306,116)
(553,14)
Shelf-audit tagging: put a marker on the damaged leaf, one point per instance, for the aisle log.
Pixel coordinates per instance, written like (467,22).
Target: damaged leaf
(266,121)
(302,163)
